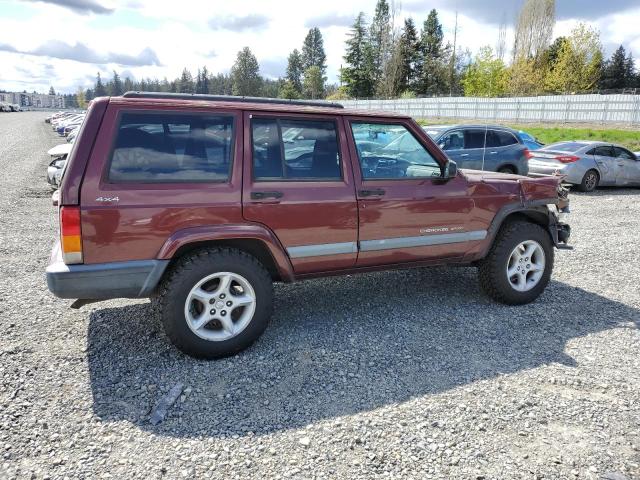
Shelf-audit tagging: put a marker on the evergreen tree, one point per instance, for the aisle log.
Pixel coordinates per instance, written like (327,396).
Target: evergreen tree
(51,91)
(116,88)
(185,84)
(99,90)
(618,71)
(380,38)
(313,51)
(289,91)
(245,74)
(314,82)
(357,74)
(408,50)
(432,58)
(128,85)
(205,80)
(295,71)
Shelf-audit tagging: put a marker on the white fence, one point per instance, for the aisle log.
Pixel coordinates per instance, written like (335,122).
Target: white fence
(593,108)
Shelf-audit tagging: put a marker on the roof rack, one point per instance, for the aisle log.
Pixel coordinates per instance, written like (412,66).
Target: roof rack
(231,98)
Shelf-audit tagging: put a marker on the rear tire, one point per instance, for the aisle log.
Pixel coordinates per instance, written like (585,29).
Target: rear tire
(518,245)
(216,302)
(589,182)
(508,170)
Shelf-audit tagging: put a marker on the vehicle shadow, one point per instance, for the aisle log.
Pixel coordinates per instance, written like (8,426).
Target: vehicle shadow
(336,347)
(606,191)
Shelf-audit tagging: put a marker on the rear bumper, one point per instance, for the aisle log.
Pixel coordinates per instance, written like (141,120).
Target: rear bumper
(101,281)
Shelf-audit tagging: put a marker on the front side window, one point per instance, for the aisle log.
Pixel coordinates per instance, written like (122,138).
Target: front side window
(622,153)
(391,151)
(157,148)
(452,140)
(295,150)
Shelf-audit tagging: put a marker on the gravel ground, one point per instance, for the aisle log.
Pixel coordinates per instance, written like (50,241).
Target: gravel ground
(420,377)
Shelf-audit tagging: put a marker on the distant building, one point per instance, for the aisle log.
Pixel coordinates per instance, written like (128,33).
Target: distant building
(37,100)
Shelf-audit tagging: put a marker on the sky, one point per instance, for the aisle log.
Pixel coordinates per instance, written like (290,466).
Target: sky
(64,43)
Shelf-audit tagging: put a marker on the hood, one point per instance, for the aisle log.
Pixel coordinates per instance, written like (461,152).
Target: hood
(60,150)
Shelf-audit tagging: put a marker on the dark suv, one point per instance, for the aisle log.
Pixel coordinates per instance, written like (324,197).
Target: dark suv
(201,202)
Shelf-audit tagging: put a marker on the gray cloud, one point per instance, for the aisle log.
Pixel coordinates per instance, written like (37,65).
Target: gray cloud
(330,20)
(493,11)
(273,67)
(83,7)
(81,53)
(238,24)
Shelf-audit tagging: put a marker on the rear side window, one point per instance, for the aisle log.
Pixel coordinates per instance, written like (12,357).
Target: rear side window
(500,138)
(474,138)
(295,150)
(604,151)
(160,148)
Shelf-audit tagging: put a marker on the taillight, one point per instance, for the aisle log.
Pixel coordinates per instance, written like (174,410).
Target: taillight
(70,238)
(567,158)
(527,154)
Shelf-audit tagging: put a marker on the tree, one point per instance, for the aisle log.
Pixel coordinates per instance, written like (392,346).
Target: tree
(408,51)
(526,77)
(579,62)
(80,98)
(270,88)
(116,88)
(313,50)
(618,71)
(245,74)
(51,91)
(289,90)
(486,76)
(186,84)
(99,90)
(432,59)
(314,82)
(128,85)
(221,84)
(534,29)
(380,38)
(357,74)
(295,71)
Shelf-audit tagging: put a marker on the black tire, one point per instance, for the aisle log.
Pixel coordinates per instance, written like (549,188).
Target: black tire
(492,269)
(509,170)
(186,274)
(590,181)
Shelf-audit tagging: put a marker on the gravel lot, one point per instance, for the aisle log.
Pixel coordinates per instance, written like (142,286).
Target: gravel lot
(388,375)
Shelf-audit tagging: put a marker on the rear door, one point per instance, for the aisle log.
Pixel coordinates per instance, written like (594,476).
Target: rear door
(503,148)
(628,172)
(604,157)
(405,213)
(297,182)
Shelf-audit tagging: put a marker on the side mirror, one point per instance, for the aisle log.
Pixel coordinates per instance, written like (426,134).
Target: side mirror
(451,170)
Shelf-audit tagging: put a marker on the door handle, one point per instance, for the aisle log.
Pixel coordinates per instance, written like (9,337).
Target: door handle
(263,195)
(375,192)
(493,153)
(464,154)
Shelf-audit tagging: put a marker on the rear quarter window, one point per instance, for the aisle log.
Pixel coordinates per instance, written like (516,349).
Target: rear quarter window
(168,147)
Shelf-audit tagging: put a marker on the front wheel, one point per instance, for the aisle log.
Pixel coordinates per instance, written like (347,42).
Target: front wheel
(518,267)
(216,302)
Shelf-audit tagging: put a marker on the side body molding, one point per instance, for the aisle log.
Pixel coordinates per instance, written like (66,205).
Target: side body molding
(230,232)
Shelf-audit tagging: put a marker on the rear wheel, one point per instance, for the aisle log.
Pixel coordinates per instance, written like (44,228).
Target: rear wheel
(216,302)
(590,181)
(509,170)
(519,264)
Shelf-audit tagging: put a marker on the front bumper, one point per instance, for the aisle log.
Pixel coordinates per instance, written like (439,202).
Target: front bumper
(101,281)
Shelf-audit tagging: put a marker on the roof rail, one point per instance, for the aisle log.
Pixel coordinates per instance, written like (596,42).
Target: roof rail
(231,98)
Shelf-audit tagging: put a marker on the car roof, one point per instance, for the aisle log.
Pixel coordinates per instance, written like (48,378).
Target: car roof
(245,103)
(470,125)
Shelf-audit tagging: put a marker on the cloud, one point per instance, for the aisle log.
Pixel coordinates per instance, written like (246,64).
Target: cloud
(252,21)
(81,53)
(494,11)
(82,7)
(330,20)
(273,67)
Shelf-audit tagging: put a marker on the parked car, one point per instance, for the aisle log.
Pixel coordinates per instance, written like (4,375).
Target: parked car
(58,162)
(199,202)
(482,147)
(587,164)
(531,142)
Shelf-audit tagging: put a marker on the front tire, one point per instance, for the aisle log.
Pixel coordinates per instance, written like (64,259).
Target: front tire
(216,302)
(518,267)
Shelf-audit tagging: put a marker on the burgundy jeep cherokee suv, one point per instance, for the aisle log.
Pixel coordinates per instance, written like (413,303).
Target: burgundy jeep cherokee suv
(201,202)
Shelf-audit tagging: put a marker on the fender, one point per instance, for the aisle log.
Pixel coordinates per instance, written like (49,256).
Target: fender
(231,232)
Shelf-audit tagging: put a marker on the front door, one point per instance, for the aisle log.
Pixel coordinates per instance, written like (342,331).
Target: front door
(297,182)
(405,213)
(628,172)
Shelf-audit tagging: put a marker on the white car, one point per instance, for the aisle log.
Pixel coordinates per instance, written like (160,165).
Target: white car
(58,163)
